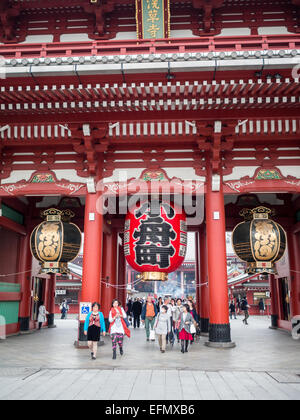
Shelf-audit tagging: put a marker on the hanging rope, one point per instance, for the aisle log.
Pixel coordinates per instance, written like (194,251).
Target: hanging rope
(14,274)
(124,286)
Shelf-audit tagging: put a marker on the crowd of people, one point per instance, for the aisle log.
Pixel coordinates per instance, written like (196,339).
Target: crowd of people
(169,320)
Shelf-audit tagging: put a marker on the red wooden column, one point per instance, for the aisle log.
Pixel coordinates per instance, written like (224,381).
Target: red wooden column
(122,293)
(294,257)
(219,326)
(25,283)
(51,300)
(204,290)
(198,288)
(129,277)
(109,272)
(274,302)
(92,255)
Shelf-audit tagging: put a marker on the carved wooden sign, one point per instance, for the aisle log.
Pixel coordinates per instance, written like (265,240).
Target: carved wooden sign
(43,183)
(264,179)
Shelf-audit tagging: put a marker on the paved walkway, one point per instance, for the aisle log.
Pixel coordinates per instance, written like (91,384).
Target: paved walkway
(45,365)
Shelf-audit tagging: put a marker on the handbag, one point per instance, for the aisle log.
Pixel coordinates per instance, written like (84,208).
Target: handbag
(193,329)
(152,335)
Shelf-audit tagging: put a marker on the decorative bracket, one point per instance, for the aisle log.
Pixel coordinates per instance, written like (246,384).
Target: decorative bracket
(5,165)
(8,15)
(92,143)
(99,11)
(216,139)
(207,6)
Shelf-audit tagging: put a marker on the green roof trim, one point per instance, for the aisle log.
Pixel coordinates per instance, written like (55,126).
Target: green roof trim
(12,214)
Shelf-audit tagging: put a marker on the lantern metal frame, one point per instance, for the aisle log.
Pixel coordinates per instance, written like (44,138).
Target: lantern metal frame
(61,216)
(258,266)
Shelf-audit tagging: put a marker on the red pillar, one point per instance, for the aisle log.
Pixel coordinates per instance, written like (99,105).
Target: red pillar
(219,326)
(25,280)
(294,254)
(204,290)
(92,254)
(109,272)
(274,302)
(122,292)
(51,300)
(129,276)
(198,287)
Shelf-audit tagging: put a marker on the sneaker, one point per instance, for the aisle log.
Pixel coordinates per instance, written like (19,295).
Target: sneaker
(93,358)
(148,339)
(163,351)
(92,355)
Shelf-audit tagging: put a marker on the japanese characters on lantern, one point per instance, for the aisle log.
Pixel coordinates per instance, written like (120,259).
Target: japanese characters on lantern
(155,239)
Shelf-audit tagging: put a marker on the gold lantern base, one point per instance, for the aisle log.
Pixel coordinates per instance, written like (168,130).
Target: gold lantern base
(261,267)
(55,268)
(153,276)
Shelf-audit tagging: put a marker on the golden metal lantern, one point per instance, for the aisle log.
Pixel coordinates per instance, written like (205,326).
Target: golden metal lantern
(259,241)
(56,242)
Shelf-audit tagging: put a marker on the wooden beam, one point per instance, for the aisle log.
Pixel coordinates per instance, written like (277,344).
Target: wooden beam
(153,116)
(11,225)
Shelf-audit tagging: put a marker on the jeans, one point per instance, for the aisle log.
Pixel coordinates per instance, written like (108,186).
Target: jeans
(149,324)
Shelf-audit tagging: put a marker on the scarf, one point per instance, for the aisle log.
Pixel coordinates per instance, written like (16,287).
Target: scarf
(94,320)
(114,313)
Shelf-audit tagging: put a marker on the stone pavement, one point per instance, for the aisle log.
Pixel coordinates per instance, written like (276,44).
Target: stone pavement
(45,365)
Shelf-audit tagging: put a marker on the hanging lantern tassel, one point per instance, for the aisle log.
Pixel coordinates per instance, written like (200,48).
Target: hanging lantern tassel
(56,241)
(259,241)
(155,239)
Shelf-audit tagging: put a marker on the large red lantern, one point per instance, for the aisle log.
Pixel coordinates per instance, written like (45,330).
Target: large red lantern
(155,239)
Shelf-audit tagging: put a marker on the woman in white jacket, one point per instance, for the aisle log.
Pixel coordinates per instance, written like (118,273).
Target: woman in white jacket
(42,314)
(118,327)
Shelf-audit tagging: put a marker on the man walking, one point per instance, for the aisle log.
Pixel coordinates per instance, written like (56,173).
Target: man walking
(245,307)
(64,307)
(232,310)
(136,310)
(170,335)
(261,306)
(149,313)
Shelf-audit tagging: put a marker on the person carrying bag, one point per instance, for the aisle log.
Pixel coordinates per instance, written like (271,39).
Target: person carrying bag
(149,313)
(185,323)
(162,327)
